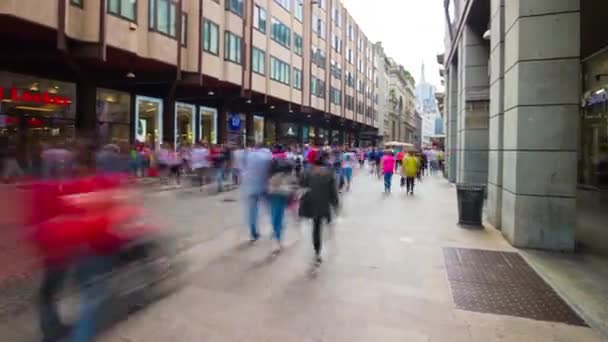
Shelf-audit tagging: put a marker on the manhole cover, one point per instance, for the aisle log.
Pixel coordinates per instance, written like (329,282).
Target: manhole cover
(228,200)
(503,283)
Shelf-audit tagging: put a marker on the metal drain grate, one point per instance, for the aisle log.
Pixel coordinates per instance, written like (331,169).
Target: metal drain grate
(503,283)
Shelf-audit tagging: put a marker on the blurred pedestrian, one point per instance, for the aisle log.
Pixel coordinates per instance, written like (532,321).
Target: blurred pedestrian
(318,201)
(348,163)
(281,188)
(410,170)
(255,185)
(200,163)
(388,167)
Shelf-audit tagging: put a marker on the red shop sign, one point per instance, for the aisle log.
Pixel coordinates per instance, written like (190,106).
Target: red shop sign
(35,98)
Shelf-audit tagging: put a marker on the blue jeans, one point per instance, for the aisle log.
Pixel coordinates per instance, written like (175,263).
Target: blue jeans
(278,204)
(348,174)
(219,176)
(93,294)
(253,214)
(388,178)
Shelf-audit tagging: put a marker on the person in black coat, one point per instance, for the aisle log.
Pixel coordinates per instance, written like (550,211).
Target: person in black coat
(321,197)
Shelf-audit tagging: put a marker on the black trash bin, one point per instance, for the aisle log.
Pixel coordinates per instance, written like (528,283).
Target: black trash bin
(470,204)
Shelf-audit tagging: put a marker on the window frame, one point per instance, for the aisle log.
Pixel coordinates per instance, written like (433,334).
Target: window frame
(281,64)
(119,14)
(298,10)
(281,33)
(255,50)
(297,85)
(77,3)
(239,46)
(280,3)
(217,31)
(298,50)
(228,7)
(256,23)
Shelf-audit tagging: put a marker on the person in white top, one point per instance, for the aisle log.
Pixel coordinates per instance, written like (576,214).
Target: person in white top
(200,162)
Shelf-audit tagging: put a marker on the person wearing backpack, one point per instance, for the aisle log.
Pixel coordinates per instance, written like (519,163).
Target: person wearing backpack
(320,198)
(281,188)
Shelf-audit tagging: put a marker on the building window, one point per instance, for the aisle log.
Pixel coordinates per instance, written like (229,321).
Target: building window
(126,9)
(259,18)
(335,96)
(317,56)
(232,47)
(299,10)
(336,70)
(78,3)
(349,56)
(184,29)
(318,26)
(297,78)
(350,32)
(350,80)
(297,44)
(286,4)
(336,14)
(258,61)
(321,3)
(349,102)
(113,119)
(211,34)
(235,6)
(279,70)
(162,18)
(317,87)
(280,33)
(336,43)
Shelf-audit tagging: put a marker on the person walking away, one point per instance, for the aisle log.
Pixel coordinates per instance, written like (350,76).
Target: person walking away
(361,155)
(200,163)
(410,170)
(432,160)
(371,157)
(348,161)
(399,159)
(378,161)
(281,188)
(424,165)
(388,166)
(175,163)
(10,167)
(254,186)
(318,202)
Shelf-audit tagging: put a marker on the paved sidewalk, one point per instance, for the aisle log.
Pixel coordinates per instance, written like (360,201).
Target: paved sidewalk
(383,279)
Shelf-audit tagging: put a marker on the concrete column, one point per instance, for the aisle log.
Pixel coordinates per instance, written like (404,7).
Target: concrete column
(250,141)
(473,123)
(169,119)
(497,58)
(542,88)
(86,107)
(452,123)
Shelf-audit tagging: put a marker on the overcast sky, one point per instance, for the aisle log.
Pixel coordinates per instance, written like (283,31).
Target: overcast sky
(410,30)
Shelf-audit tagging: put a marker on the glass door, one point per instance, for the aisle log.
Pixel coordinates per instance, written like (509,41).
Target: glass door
(185,131)
(208,125)
(149,121)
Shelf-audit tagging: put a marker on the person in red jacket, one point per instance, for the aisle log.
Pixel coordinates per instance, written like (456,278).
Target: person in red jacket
(73,221)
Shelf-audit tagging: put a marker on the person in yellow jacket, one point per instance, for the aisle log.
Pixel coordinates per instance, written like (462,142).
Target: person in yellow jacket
(410,166)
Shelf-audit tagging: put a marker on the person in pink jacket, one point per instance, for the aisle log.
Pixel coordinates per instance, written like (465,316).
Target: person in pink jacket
(388,166)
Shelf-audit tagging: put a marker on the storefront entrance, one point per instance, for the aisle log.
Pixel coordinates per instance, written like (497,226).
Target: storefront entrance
(185,118)
(148,120)
(208,125)
(35,113)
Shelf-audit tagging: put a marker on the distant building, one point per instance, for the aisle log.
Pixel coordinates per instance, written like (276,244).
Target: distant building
(432,123)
